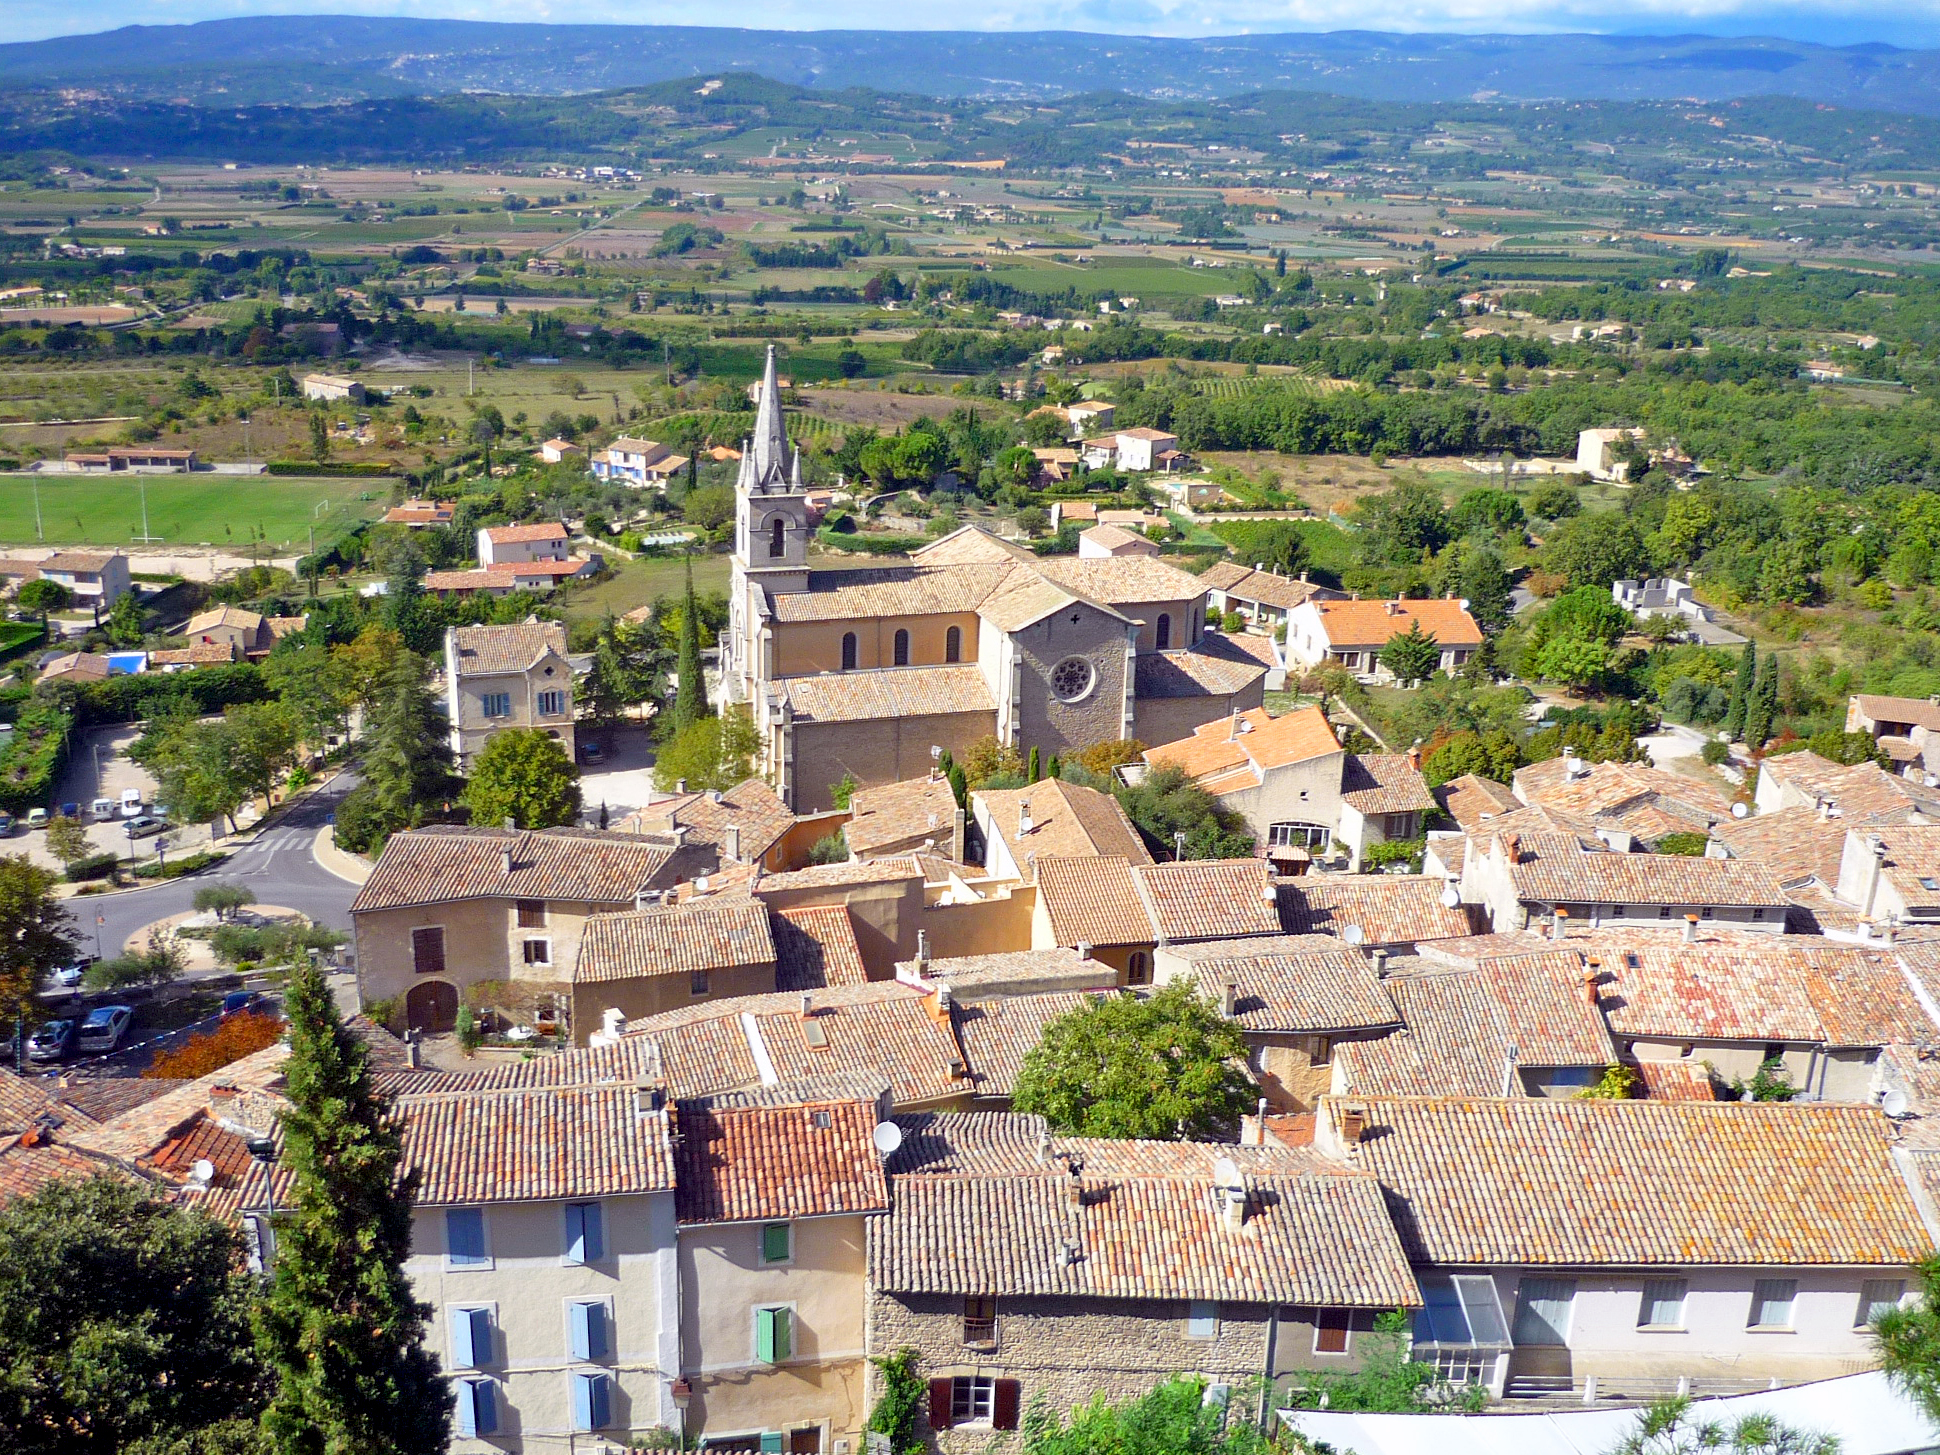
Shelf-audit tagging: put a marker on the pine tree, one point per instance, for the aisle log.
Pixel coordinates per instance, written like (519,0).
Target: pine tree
(406,757)
(1762,707)
(1734,717)
(690,690)
(338,1324)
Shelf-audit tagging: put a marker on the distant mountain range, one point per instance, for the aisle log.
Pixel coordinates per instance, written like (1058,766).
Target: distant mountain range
(337,58)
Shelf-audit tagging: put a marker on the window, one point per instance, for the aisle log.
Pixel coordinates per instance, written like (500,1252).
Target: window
(1758,914)
(1202,1319)
(496,704)
(777,1243)
(774,1334)
(532,914)
(973,1399)
(551,704)
(1771,1303)
(586,1329)
(465,1238)
(477,1408)
(980,1321)
(901,646)
(1663,1304)
(1294,834)
(1543,1310)
(1462,1311)
(1320,1050)
(1071,679)
(592,1401)
(848,651)
(953,644)
(428,950)
(777,538)
(585,1233)
(1164,633)
(538,952)
(1876,1296)
(1330,1330)
(1663,911)
(471,1337)
(697,983)
(1138,969)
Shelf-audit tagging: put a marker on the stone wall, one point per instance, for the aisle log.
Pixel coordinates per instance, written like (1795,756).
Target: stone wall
(881,750)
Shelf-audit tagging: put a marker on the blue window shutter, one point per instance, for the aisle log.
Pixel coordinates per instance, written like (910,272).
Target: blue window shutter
(590,1403)
(465,1234)
(602,1415)
(471,1337)
(585,1240)
(467,1409)
(588,1330)
(485,1408)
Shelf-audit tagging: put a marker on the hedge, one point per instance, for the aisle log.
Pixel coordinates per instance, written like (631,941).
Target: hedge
(32,760)
(176,868)
(203,691)
(879,544)
(95,866)
(355,469)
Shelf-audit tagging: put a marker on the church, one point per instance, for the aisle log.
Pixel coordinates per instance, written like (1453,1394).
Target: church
(862,673)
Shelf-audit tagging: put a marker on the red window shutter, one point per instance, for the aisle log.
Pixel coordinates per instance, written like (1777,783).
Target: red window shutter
(1003,1407)
(940,1404)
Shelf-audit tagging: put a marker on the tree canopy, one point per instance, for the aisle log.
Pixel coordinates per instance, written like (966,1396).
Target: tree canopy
(524,777)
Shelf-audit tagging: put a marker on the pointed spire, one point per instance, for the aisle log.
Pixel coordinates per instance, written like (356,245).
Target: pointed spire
(770,436)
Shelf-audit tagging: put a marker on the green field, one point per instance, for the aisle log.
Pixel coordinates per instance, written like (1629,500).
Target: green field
(210,510)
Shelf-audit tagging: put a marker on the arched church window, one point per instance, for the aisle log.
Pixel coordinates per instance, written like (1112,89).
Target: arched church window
(777,537)
(902,647)
(848,651)
(1165,630)
(953,644)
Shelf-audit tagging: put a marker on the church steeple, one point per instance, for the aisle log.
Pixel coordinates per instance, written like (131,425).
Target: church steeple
(766,458)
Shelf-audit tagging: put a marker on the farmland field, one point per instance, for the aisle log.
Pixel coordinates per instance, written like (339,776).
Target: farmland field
(212,510)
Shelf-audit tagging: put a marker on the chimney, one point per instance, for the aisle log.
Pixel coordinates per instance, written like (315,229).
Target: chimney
(1044,1146)
(1350,1125)
(1590,979)
(612,1021)
(649,1099)
(511,824)
(1876,847)
(923,952)
(413,1055)
(1509,1071)
(1690,929)
(1889,931)
(1235,1208)
(1393,607)
(680,785)
(1414,757)
(734,842)
(1229,1000)
(505,859)
(1559,924)
(713,795)
(1023,818)
(1380,959)
(1512,848)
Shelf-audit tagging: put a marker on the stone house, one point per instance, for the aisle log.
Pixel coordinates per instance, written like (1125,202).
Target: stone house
(641,962)
(499,677)
(1282,774)
(96,578)
(1352,633)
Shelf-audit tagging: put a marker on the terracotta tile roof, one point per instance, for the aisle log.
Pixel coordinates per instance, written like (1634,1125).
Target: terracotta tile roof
(751,806)
(1471,798)
(1026,596)
(1143,1221)
(246,1091)
(1210,899)
(525,1146)
(1912,863)
(703,935)
(1794,843)
(1389,909)
(1067,822)
(1385,783)
(100,1098)
(900,816)
(833,876)
(1557,870)
(437,864)
(1112,537)
(1299,983)
(1093,901)
(28,1164)
(882,591)
(201,654)
(1919,711)
(1265,587)
(1456,1042)
(504,535)
(485,651)
(1639,1183)
(971,544)
(24,1102)
(1121,580)
(1010,972)
(938,1142)
(815,947)
(493,577)
(998,1033)
(1252,742)
(1215,667)
(78,561)
(1675,1081)
(753,1163)
(233,617)
(1646,802)
(887,692)
(1365,624)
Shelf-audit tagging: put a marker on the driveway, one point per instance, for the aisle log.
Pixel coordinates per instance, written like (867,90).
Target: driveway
(1672,741)
(624,781)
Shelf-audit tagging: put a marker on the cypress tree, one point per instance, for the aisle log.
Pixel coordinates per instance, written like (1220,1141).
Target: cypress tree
(1762,708)
(1734,718)
(690,691)
(338,1324)
(407,757)
(1035,772)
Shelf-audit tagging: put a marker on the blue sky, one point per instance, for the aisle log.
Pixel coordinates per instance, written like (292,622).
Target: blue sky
(1834,22)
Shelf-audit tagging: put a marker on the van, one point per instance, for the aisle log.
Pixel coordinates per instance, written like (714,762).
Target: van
(102,1030)
(130,802)
(102,810)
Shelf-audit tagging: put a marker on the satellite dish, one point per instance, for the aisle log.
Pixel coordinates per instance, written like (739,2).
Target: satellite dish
(202,1172)
(1894,1103)
(1451,896)
(1226,1173)
(1740,809)
(1354,935)
(887,1137)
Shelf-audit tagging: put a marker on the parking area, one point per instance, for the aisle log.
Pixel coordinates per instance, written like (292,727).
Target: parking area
(97,768)
(623,780)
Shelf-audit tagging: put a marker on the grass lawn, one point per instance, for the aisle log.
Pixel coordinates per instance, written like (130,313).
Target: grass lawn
(635,583)
(214,510)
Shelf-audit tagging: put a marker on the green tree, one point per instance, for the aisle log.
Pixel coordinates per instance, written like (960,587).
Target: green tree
(1389,1381)
(314,682)
(1574,662)
(1594,550)
(125,625)
(1741,689)
(1402,524)
(1478,576)
(690,682)
(1666,1427)
(42,596)
(1495,755)
(1554,500)
(259,740)
(1413,655)
(716,752)
(1166,803)
(613,681)
(1907,1339)
(1762,709)
(150,969)
(319,437)
(124,1325)
(339,1325)
(67,839)
(36,932)
(1167,1067)
(524,776)
(1176,1418)
(407,760)
(223,898)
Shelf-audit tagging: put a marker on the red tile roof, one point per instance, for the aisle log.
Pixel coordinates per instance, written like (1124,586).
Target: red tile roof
(753,1163)
(526,1146)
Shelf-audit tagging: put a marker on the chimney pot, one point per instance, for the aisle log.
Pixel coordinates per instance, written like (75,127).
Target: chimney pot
(1235,1208)
(511,824)
(1229,999)
(1352,1125)
(505,860)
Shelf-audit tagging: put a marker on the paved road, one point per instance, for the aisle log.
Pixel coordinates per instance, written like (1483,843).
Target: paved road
(278,868)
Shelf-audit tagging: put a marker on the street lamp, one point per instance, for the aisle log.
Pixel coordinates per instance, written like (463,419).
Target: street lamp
(131,846)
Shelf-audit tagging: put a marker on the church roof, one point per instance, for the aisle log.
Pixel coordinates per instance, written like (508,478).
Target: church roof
(897,692)
(889,591)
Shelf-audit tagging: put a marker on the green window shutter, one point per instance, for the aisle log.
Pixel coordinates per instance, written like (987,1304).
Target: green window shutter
(771,1441)
(774,1243)
(784,1334)
(764,1335)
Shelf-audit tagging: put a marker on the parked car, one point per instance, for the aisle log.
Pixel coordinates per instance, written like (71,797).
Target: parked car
(70,810)
(146,824)
(130,802)
(52,1042)
(238,1001)
(6,824)
(103,810)
(69,976)
(37,818)
(593,753)
(104,1027)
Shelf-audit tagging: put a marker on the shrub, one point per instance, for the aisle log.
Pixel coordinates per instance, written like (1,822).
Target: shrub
(33,757)
(230,1040)
(187,864)
(94,866)
(1715,753)
(1690,845)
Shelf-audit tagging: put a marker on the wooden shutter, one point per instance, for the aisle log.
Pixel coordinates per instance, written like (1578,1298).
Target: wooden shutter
(428,950)
(773,1334)
(1003,1405)
(774,1243)
(940,1391)
(589,1330)
(584,1240)
(464,1342)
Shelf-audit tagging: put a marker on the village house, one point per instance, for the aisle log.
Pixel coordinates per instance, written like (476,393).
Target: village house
(1383,800)
(642,962)
(513,676)
(1052,818)
(1282,774)
(333,388)
(514,545)
(1907,729)
(902,818)
(97,579)
(141,459)
(1263,597)
(417,514)
(1352,633)
(1112,540)
(630,461)
(240,634)
(1142,450)
(554,451)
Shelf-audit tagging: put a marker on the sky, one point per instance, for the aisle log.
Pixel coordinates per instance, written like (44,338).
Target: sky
(1834,22)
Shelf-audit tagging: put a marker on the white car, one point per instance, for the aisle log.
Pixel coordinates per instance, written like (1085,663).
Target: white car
(130,802)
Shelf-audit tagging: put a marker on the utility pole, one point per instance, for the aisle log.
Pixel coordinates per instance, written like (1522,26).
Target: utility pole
(469,387)
(39,534)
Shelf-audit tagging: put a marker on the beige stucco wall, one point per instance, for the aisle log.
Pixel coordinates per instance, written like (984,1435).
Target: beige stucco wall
(1303,792)
(527,1288)
(550,674)
(723,1282)
(885,917)
(651,994)
(994,926)
(1167,719)
(883,750)
(803,648)
(482,942)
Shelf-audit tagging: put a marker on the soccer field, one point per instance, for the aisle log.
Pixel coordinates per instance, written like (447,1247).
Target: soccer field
(183,510)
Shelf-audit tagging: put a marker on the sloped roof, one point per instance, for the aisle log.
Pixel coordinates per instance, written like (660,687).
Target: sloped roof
(1367,624)
(1093,900)
(1471,798)
(1210,899)
(997,1034)
(743,1164)
(1067,821)
(1385,783)
(534,1145)
(895,692)
(489,650)
(1389,909)
(1556,870)
(1296,983)
(895,815)
(1251,742)
(440,863)
(815,947)
(698,936)
(1215,666)
(1121,580)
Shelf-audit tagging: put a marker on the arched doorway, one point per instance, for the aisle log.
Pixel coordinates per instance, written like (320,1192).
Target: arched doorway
(431,1005)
